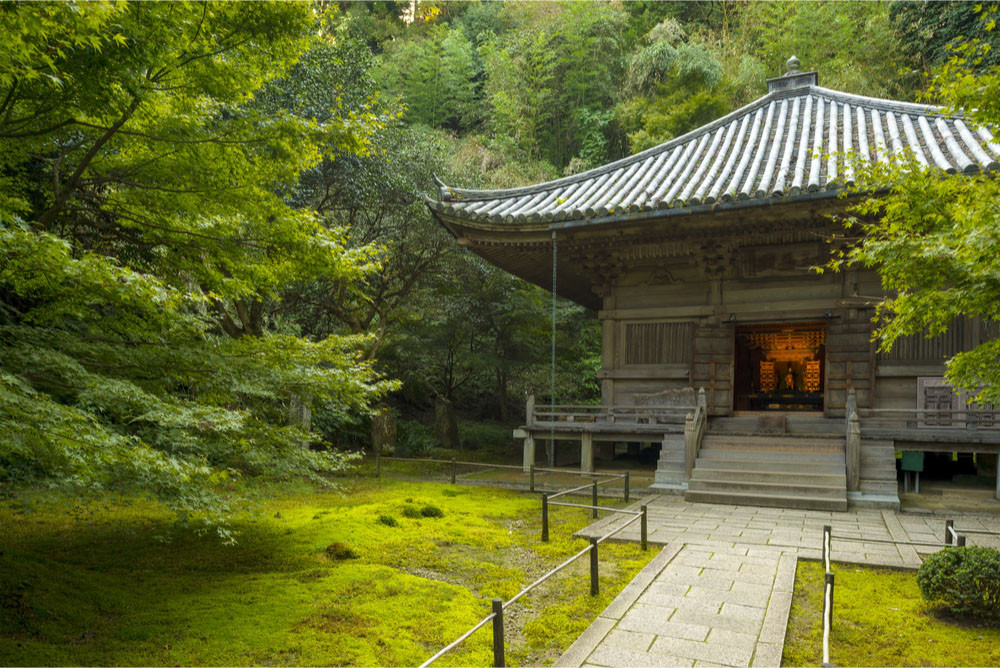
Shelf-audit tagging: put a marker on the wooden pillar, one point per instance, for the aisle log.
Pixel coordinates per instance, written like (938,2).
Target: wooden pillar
(529,452)
(587,452)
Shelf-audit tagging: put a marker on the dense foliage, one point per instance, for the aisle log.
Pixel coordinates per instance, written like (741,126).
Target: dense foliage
(965,579)
(934,237)
(147,246)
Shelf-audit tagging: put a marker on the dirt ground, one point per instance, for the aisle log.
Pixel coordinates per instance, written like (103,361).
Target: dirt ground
(963,493)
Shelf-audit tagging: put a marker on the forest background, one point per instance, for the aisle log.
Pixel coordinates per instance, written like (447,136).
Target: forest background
(212,221)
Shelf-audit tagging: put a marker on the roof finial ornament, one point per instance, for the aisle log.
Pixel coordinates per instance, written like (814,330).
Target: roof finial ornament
(793,66)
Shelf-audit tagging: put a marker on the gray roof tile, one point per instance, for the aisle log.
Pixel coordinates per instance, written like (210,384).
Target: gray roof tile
(804,139)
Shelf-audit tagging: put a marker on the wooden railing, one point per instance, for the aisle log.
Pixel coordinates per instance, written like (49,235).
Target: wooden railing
(971,419)
(616,414)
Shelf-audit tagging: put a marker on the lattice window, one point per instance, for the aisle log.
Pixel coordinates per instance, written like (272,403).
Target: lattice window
(935,396)
(657,343)
(768,379)
(811,380)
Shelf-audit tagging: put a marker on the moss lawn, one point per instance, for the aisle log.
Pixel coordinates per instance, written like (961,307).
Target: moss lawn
(119,583)
(880,619)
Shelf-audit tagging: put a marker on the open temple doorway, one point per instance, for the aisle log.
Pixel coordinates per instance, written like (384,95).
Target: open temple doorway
(779,367)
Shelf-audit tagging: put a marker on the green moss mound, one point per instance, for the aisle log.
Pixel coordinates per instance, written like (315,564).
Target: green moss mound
(430,510)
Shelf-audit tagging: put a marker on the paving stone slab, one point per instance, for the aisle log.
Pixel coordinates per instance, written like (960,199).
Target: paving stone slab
(767,655)
(716,652)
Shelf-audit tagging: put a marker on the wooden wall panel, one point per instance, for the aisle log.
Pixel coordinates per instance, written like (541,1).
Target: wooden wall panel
(963,334)
(712,365)
(850,361)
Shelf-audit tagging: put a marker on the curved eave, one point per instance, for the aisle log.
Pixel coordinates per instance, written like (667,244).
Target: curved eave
(804,141)
(541,232)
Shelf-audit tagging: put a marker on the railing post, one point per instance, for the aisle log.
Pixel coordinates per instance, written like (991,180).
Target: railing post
(531,479)
(454,468)
(642,528)
(545,518)
(626,486)
(595,498)
(378,464)
(948,526)
(960,542)
(498,633)
(826,548)
(594,586)
(853,451)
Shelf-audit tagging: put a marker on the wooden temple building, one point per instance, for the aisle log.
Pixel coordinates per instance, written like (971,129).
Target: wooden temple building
(756,374)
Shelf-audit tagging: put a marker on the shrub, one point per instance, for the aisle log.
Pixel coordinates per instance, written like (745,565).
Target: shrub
(387,520)
(411,511)
(431,511)
(413,439)
(965,579)
(340,552)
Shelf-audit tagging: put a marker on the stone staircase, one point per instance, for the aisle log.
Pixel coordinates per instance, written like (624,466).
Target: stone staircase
(805,470)
(669,476)
(878,469)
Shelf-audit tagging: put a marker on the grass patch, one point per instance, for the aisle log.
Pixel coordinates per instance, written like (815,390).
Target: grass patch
(880,619)
(317,578)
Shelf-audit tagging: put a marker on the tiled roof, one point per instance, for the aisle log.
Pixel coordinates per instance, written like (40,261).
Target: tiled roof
(794,140)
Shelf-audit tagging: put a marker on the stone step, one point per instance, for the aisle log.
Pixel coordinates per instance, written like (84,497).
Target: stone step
(784,465)
(794,424)
(769,500)
(879,486)
(769,443)
(754,436)
(767,488)
(775,477)
(823,458)
(667,477)
(877,473)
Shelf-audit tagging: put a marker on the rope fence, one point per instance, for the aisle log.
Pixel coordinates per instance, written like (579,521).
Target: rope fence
(532,470)
(952,538)
(498,606)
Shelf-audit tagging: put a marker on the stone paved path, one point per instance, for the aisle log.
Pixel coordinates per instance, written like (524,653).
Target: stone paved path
(720,591)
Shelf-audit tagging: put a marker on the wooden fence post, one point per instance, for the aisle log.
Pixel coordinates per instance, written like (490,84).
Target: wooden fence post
(454,468)
(498,633)
(827,545)
(531,479)
(594,586)
(642,528)
(626,486)
(594,504)
(545,518)
(948,526)
(828,579)
(961,540)
(378,465)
